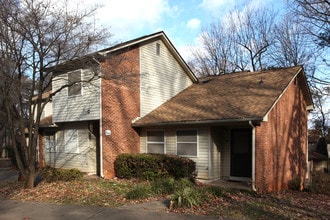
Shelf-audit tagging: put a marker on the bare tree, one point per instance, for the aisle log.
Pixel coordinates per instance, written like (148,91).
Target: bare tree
(321,115)
(35,36)
(292,46)
(216,54)
(316,13)
(253,28)
(236,43)
(313,17)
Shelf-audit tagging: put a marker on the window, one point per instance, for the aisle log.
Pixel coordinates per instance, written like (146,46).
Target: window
(157,49)
(49,137)
(186,142)
(155,142)
(74,77)
(71,144)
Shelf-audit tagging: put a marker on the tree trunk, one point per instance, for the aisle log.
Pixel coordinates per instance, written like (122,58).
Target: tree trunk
(29,180)
(12,135)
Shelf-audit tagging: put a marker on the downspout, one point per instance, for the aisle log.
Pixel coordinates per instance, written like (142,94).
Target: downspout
(253,156)
(100,128)
(101,131)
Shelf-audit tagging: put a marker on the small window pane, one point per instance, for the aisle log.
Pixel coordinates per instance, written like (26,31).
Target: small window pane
(155,142)
(187,142)
(187,136)
(50,144)
(188,149)
(155,136)
(156,148)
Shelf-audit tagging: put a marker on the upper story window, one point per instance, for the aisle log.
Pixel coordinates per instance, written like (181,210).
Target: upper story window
(157,49)
(74,78)
(186,142)
(155,142)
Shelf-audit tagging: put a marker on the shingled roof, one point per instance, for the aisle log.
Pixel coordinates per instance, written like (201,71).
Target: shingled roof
(231,97)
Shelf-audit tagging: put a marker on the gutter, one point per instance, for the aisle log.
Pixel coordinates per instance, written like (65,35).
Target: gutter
(221,121)
(253,156)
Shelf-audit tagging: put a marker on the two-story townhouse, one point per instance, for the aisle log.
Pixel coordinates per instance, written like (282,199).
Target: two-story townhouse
(141,97)
(91,120)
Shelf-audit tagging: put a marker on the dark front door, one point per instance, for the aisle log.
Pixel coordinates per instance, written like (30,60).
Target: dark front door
(241,153)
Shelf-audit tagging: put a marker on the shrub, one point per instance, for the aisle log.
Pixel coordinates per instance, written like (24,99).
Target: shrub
(163,186)
(123,167)
(183,183)
(154,166)
(186,197)
(140,191)
(320,183)
(215,191)
(51,174)
(295,184)
(180,167)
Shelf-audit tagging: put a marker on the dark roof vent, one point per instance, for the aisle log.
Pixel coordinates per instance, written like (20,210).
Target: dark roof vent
(206,81)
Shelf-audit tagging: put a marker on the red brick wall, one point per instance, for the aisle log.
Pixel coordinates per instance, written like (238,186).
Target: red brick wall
(120,105)
(281,142)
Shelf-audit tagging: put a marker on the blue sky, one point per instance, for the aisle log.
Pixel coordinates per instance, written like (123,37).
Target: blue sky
(182,21)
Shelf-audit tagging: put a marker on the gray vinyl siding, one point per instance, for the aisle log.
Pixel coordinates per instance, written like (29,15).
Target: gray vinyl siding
(202,159)
(215,155)
(76,108)
(220,152)
(225,153)
(85,160)
(162,77)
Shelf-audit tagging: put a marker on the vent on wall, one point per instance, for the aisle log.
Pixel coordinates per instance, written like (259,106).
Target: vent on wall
(157,49)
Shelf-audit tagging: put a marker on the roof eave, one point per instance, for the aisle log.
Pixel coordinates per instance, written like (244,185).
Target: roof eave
(310,105)
(217,121)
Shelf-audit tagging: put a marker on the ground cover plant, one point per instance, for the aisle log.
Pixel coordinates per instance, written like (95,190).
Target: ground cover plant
(185,196)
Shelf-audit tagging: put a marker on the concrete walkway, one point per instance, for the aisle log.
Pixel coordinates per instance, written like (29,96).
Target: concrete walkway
(8,174)
(22,210)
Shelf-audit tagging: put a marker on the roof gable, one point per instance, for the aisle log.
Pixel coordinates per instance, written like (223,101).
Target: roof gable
(102,54)
(148,39)
(231,97)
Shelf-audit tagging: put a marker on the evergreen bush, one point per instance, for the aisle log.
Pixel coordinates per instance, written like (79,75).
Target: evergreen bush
(154,166)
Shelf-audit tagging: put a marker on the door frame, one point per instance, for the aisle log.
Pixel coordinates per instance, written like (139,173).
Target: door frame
(238,157)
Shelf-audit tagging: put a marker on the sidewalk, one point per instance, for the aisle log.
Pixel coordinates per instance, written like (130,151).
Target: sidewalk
(22,210)
(8,174)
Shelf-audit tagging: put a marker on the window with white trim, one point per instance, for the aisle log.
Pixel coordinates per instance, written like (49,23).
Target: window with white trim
(71,141)
(186,142)
(49,138)
(74,78)
(155,142)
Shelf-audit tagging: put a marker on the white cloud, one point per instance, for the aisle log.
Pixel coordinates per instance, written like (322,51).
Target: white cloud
(212,5)
(187,51)
(194,23)
(126,16)
(220,7)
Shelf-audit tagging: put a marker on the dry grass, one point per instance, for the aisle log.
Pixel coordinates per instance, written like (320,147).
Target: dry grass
(231,203)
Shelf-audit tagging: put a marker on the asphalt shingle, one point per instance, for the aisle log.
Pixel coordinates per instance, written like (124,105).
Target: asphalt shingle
(235,96)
